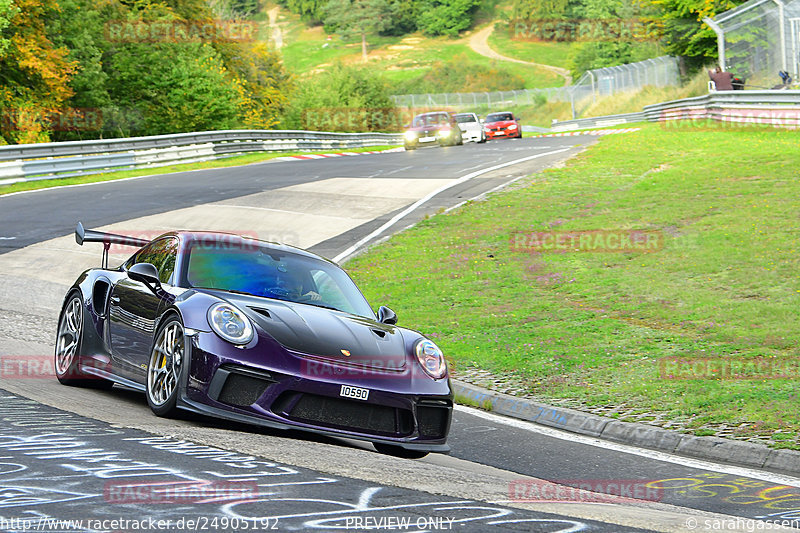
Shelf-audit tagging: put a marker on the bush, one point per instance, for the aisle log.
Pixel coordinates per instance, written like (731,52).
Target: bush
(344,98)
(460,75)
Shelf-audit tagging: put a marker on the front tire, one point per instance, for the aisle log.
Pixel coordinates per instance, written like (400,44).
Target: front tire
(164,370)
(69,340)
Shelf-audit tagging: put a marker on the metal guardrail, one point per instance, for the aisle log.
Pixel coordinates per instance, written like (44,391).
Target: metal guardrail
(777,108)
(29,162)
(598,122)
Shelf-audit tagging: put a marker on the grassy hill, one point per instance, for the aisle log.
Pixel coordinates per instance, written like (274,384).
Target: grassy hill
(624,332)
(408,62)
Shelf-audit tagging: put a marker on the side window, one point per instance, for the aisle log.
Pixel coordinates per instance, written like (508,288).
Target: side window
(161,254)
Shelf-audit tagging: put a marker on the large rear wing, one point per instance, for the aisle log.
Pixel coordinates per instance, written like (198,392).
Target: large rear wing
(83,235)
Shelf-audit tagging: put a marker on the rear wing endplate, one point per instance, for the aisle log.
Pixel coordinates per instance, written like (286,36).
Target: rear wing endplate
(83,235)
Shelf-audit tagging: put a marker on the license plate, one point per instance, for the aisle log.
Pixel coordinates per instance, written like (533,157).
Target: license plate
(356,393)
(426,139)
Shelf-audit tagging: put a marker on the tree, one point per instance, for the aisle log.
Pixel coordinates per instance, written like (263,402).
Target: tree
(344,98)
(178,87)
(264,83)
(7,11)
(686,34)
(358,17)
(35,73)
(311,11)
(446,17)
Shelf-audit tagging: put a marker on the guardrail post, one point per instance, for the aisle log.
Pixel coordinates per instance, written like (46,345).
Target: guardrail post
(782,19)
(720,40)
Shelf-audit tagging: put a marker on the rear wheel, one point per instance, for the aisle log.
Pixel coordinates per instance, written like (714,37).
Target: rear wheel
(399,451)
(68,347)
(164,368)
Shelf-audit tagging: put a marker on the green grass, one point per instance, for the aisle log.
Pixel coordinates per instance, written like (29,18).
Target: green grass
(401,59)
(220,163)
(594,326)
(546,53)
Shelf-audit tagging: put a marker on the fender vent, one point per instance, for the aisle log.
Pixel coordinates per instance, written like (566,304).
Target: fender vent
(100,296)
(260,311)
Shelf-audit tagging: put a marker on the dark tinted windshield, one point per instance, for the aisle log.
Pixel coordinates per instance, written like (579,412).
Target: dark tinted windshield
(461,119)
(275,274)
(497,117)
(430,119)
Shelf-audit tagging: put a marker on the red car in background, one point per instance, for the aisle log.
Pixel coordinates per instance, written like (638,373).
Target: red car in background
(502,124)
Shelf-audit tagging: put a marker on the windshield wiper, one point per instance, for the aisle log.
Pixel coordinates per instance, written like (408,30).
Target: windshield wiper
(234,291)
(321,305)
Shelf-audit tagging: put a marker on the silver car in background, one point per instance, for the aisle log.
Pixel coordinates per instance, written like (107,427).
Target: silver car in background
(471,127)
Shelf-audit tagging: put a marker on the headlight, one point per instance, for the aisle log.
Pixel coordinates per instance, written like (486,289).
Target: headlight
(410,136)
(431,358)
(445,133)
(512,127)
(230,323)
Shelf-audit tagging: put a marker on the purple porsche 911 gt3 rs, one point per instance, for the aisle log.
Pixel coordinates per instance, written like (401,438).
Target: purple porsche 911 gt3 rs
(255,332)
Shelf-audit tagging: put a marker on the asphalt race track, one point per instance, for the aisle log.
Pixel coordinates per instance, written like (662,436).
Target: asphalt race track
(103,458)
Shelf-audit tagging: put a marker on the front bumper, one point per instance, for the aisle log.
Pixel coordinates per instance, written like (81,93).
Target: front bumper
(472,135)
(292,391)
(503,133)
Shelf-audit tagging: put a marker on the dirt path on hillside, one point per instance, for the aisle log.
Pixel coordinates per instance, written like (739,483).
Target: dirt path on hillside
(275,33)
(479,42)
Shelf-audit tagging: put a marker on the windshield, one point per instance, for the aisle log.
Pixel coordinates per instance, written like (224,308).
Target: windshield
(430,120)
(461,119)
(497,117)
(280,275)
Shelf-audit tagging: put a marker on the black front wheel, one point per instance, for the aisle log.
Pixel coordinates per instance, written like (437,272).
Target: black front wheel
(165,368)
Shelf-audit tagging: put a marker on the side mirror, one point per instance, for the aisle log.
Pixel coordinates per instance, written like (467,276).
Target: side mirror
(144,272)
(387,316)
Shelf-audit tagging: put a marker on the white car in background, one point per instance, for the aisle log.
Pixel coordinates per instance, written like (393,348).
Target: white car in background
(471,127)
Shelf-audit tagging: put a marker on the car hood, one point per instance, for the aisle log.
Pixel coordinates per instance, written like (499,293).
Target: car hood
(325,333)
(500,123)
(465,126)
(432,127)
